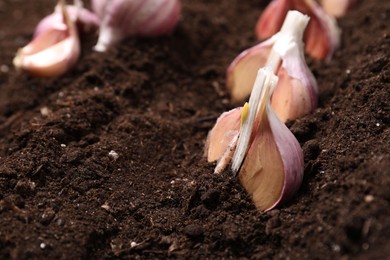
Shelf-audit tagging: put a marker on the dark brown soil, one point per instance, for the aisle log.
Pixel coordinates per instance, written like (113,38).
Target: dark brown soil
(153,102)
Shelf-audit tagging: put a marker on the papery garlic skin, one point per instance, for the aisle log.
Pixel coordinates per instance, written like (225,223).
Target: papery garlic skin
(322,36)
(222,139)
(86,19)
(53,52)
(123,18)
(220,136)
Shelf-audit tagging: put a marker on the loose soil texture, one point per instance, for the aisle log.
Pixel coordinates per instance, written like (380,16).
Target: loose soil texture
(153,101)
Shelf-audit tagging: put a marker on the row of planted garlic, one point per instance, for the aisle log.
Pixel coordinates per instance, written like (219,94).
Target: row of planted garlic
(262,151)
(254,139)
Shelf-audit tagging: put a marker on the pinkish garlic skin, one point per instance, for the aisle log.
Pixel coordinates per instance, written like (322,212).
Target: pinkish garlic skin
(85,20)
(292,157)
(123,18)
(53,52)
(297,95)
(330,25)
(272,18)
(295,65)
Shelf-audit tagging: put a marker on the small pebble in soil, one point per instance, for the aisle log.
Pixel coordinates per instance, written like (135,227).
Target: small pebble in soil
(60,222)
(368,198)
(336,248)
(113,155)
(42,245)
(106,206)
(4,68)
(45,111)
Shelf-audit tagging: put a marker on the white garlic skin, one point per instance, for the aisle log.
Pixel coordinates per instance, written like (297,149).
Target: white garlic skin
(123,18)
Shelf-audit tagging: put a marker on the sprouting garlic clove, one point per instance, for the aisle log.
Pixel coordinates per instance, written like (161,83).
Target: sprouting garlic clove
(337,8)
(83,18)
(322,36)
(53,52)
(123,18)
(296,92)
(266,155)
(273,167)
(268,158)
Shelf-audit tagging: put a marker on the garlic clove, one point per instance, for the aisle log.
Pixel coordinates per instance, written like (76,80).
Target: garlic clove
(273,167)
(222,134)
(121,18)
(85,19)
(52,52)
(322,36)
(337,8)
(241,73)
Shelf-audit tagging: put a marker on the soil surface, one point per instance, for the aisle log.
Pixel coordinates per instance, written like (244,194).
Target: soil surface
(153,101)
